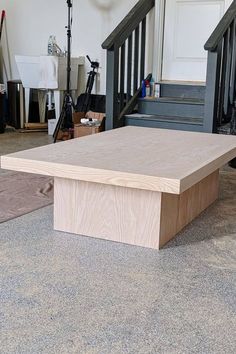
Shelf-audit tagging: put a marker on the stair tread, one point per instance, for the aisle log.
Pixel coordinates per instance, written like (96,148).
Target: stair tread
(179,100)
(183,83)
(190,120)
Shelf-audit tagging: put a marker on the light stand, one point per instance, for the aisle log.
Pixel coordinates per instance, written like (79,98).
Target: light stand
(65,119)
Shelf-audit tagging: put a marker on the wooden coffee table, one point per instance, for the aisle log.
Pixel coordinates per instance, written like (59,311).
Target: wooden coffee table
(134,185)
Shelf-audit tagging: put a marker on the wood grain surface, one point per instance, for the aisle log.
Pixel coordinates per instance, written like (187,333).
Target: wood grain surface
(177,211)
(133,216)
(145,158)
(113,213)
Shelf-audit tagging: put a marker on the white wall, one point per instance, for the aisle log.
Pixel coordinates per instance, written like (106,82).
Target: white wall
(30,22)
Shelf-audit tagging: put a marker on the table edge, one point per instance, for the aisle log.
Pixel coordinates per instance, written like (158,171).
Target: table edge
(110,177)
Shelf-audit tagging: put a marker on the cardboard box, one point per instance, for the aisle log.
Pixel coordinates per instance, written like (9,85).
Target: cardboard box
(77,116)
(83,130)
(65,135)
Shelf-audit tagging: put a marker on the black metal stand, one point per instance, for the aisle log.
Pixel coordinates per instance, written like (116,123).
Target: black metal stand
(65,120)
(84,100)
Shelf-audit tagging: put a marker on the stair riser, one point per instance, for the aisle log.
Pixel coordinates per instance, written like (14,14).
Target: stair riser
(183,91)
(171,109)
(163,125)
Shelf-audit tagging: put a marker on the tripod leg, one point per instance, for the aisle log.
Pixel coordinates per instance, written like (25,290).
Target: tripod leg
(67,124)
(65,120)
(89,89)
(59,123)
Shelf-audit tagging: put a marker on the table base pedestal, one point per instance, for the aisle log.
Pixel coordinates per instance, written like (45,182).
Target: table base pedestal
(133,216)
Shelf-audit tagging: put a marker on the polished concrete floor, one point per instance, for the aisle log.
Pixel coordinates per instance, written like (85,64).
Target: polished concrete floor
(13,140)
(63,293)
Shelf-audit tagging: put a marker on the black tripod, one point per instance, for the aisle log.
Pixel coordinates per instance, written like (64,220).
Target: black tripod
(84,100)
(65,120)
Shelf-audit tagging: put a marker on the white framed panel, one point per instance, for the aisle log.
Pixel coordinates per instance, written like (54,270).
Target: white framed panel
(187,26)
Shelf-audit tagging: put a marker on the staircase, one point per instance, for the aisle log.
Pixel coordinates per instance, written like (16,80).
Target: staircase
(182,106)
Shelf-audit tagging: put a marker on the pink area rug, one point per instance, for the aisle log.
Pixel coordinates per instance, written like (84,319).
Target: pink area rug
(22,193)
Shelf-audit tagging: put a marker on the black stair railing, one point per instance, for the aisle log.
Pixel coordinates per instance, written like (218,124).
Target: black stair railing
(221,73)
(126,54)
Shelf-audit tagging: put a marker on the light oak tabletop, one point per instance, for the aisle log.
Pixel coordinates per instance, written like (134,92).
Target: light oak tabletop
(147,158)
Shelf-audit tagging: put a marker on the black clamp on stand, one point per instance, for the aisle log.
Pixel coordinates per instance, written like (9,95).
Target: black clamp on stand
(65,119)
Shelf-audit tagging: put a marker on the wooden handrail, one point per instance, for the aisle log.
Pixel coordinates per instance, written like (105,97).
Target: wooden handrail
(221,74)
(126,56)
(221,28)
(129,23)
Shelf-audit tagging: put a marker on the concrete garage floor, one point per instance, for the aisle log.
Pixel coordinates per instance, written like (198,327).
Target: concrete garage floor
(12,141)
(63,293)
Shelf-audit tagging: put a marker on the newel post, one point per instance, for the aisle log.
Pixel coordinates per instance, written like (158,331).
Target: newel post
(112,88)
(212,93)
